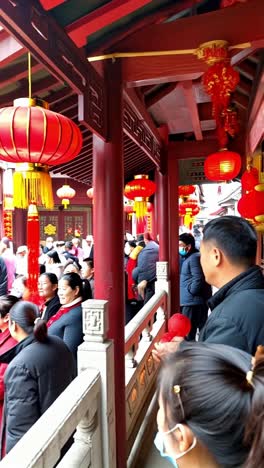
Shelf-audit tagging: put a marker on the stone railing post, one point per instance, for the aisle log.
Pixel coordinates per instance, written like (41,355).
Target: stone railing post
(163,283)
(98,352)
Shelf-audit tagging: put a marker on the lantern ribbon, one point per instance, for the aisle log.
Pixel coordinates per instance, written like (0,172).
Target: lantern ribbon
(33,235)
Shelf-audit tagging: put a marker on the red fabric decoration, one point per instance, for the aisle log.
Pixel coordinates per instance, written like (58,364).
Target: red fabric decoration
(8,224)
(220,80)
(186,190)
(251,205)
(179,325)
(37,135)
(33,237)
(166,337)
(249,179)
(222,166)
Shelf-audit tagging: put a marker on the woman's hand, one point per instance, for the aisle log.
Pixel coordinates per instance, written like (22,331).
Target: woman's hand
(163,349)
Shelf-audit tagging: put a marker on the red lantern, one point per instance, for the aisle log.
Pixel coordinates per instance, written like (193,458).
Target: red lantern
(37,136)
(139,190)
(186,190)
(179,325)
(251,205)
(249,179)
(66,193)
(222,166)
(189,209)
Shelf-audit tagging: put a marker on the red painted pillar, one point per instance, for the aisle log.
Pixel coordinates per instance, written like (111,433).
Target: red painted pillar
(109,237)
(173,182)
(162,199)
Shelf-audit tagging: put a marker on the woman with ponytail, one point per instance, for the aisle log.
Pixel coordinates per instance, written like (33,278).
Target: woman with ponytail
(40,368)
(211,413)
(67,322)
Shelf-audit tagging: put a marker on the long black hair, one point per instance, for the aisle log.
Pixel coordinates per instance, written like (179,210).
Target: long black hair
(25,314)
(224,411)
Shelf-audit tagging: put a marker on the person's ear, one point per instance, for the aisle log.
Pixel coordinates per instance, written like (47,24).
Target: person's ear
(217,256)
(6,318)
(184,437)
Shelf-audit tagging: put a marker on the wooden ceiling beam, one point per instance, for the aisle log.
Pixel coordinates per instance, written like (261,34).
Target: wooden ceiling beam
(37,87)
(155,97)
(189,95)
(10,49)
(56,96)
(49,4)
(255,126)
(241,100)
(100,18)
(17,72)
(157,16)
(247,69)
(244,53)
(189,33)
(192,149)
(67,104)
(244,86)
(37,31)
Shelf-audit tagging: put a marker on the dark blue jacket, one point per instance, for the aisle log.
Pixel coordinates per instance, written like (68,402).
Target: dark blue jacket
(193,288)
(237,317)
(37,374)
(69,328)
(146,263)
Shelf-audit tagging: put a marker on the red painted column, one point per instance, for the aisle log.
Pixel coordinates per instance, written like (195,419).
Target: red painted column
(173,182)
(108,225)
(162,199)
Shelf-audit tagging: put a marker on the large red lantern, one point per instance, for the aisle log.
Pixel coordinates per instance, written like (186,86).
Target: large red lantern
(31,133)
(222,166)
(189,209)
(66,193)
(186,190)
(139,190)
(249,179)
(251,205)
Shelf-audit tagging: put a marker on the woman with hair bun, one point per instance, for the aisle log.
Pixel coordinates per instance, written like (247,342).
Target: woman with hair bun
(211,400)
(67,322)
(40,368)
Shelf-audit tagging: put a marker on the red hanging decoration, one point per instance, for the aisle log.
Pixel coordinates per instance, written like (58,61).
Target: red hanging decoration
(222,166)
(219,81)
(66,193)
(186,190)
(249,179)
(8,224)
(30,133)
(251,205)
(189,209)
(139,190)
(33,236)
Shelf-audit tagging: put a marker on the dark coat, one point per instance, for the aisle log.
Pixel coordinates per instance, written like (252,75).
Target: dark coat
(237,317)
(35,377)
(146,263)
(193,288)
(52,307)
(69,328)
(3,277)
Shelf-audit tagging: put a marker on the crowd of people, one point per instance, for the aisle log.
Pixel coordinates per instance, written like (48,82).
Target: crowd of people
(211,392)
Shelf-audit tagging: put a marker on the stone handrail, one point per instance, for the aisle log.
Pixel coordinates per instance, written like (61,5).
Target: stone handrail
(78,406)
(141,334)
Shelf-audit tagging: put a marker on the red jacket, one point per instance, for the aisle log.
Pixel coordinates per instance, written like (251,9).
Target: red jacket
(6,343)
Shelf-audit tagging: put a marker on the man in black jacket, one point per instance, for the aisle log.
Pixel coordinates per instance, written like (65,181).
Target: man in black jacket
(228,256)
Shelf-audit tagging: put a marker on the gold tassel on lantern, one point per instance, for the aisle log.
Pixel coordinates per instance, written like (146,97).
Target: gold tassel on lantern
(140,207)
(32,183)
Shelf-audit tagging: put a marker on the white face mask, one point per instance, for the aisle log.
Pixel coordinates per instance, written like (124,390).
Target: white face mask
(127,250)
(160,444)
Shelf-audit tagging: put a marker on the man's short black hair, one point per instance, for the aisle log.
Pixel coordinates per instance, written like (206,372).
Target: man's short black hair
(235,236)
(188,239)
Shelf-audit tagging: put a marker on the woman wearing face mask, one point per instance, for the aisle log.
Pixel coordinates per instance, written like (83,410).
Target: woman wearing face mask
(194,291)
(211,401)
